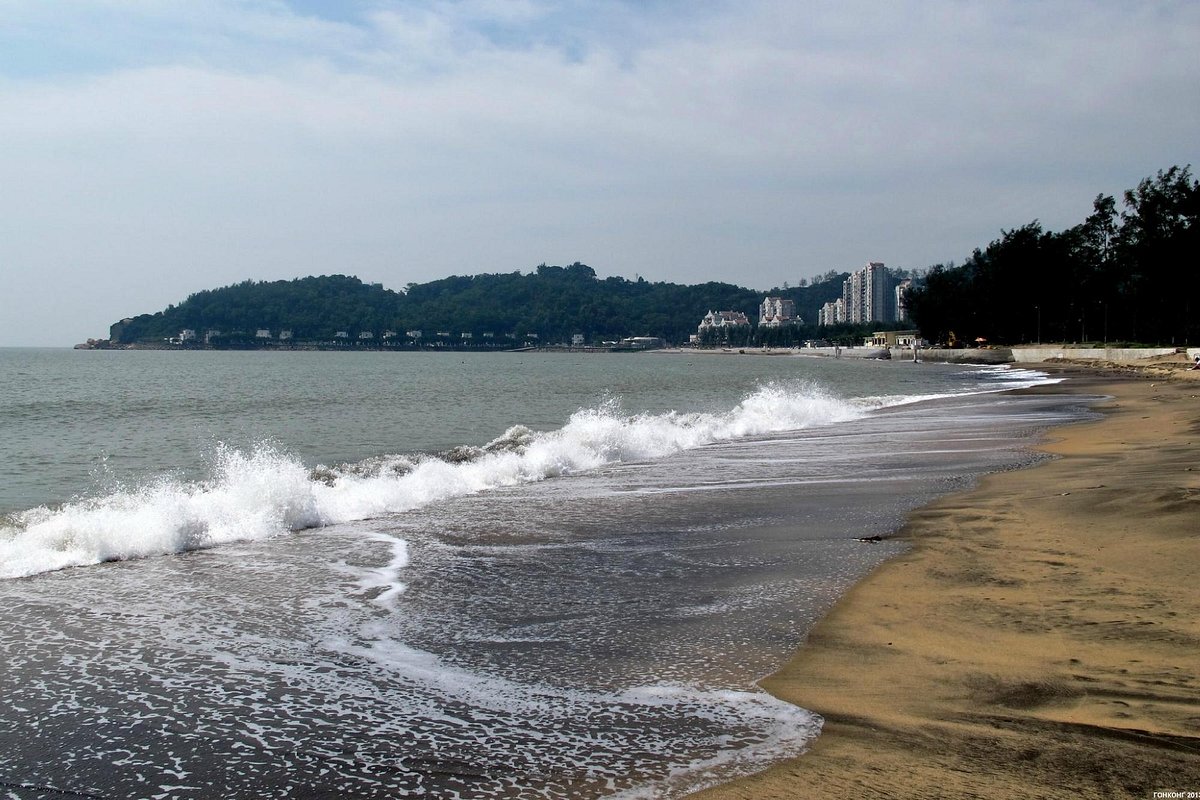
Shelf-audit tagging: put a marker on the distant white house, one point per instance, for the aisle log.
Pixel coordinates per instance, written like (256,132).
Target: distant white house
(467,335)
(577,340)
(285,335)
(366,335)
(262,333)
(187,335)
(413,334)
(342,335)
(722,319)
(389,334)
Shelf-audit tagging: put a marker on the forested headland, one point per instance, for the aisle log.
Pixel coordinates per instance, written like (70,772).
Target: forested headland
(1123,275)
(548,305)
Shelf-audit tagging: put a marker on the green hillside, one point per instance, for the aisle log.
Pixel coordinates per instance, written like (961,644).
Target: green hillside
(551,302)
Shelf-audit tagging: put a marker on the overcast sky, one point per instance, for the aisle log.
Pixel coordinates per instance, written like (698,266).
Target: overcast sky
(153,148)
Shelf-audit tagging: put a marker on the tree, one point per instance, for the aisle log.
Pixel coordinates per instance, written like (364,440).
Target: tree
(1115,277)
(1156,251)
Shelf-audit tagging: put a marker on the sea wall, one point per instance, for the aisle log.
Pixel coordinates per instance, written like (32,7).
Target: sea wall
(973,355)
(999,355)
(1033,355)
(844,352)
(1120,355)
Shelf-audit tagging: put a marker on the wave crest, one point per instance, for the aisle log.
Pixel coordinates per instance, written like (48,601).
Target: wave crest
(266,491)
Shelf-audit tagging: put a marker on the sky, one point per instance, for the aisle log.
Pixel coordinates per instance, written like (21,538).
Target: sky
(153,148)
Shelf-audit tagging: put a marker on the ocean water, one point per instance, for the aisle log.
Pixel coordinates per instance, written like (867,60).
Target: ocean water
(446,575)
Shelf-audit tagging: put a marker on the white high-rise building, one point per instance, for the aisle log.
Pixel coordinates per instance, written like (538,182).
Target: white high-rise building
(832,313)
(868,295)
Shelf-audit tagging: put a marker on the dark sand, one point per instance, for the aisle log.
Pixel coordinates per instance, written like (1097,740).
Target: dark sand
(1040,640)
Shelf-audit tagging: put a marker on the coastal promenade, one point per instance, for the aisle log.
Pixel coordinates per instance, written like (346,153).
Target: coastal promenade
(1041,639)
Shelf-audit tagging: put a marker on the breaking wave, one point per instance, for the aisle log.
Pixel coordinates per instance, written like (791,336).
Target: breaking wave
(267,491)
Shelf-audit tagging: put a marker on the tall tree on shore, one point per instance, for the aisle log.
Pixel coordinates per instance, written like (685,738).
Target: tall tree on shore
(1156,248)
(1125,276)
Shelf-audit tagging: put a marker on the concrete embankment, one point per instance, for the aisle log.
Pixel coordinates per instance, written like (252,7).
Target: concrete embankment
(974,355)
(1119,355)
(1040,353)
(1000,355)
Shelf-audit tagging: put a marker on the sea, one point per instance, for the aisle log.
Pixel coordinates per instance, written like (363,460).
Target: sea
(448,575)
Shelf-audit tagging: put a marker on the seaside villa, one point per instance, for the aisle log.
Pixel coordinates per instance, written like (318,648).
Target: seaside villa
(723,319)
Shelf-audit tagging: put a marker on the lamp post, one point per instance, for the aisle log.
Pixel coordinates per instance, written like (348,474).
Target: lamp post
(1039,324)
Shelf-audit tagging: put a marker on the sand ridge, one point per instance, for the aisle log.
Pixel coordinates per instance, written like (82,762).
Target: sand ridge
(1042,637)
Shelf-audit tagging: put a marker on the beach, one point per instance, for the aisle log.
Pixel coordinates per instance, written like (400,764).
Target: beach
(1041,638)
(544,592)
(566,586)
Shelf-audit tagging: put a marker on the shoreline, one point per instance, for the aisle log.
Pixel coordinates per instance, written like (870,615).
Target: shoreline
(1041,638)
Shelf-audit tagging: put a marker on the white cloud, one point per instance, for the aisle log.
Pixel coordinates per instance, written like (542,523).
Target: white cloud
(167,149)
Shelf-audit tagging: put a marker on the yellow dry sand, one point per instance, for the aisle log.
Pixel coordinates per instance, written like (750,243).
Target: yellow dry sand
(1040,640)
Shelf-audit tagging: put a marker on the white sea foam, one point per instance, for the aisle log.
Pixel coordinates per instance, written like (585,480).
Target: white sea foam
(250,496)
(1010,377)
(756,727)
(267,492)
(383,584)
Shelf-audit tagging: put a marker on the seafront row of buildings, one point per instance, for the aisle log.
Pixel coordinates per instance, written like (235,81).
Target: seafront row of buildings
(775,312)
(265,338)
(870,294)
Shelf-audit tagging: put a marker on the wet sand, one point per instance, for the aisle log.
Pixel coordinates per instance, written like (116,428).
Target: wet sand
(1041,639)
